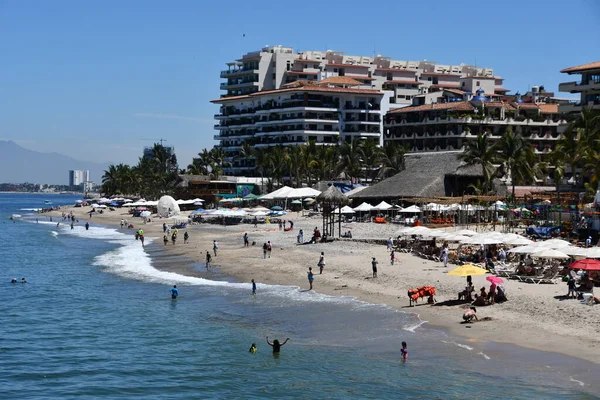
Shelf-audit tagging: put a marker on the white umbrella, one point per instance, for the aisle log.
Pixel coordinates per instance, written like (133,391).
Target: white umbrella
(482,240)
(382,206)
(95,205)
(455,238)
(554,243)
(519,241)
(363,207)
(550,253)
(145,214)
(411,209)
(579,251)
(465,232)
(437,233)
(418,230)
(531,248)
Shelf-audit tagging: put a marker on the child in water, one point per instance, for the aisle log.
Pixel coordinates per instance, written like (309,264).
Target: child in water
(253,348)
(404,351)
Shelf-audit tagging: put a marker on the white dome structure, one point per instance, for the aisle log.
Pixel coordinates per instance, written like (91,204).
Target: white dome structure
(167,207)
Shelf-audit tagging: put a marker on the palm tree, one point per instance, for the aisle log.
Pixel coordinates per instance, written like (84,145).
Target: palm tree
(481,152)
(569,149)
(217,162)
(392,160)
(517,158)
(262,162)
(278,158)
(294,161)
(110,182)
(350,161)
(371,157)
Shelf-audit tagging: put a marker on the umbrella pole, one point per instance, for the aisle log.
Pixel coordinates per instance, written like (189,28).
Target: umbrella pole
(340,220)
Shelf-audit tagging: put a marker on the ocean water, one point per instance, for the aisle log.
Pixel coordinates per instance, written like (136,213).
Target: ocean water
(95,321)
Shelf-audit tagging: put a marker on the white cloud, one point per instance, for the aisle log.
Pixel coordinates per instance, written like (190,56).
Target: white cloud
(173,116)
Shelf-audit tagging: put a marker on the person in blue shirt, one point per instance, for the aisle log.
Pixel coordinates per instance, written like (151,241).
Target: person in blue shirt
(174,292)
(253,287)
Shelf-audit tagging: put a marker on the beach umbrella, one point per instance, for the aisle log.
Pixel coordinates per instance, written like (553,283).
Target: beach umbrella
(494,279)
(531,248)
(549,253)
(276,208)
(455,238)
(519,241)
(437,233)
(296,202)
(465,232)
(466,270)
(145,214)
(78,201)
(591,252)
(586,265)
(383,206)
(482,240)
(578,251)
(411,209)
(554,243)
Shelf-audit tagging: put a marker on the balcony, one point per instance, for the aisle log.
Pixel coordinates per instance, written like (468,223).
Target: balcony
(578,87)
(237,72)
(298,132)
(361,134)
(363,122)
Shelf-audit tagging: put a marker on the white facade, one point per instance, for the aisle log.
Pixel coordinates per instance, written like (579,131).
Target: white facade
(295,116)
(78,177)
(274,66)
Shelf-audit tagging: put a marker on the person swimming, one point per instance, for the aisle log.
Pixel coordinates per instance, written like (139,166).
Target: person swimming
(253,348)
(276,345)
(13,280)
(174,292)
(404,351)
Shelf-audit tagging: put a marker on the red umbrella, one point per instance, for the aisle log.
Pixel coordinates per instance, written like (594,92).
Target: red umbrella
(494,279)
(587,264)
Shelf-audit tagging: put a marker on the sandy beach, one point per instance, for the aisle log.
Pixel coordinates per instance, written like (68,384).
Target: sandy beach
(532,317)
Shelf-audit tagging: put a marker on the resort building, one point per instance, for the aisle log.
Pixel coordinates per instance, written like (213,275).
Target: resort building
(328,112)
(273,67)
(588,87)
(458,116)
(78,177)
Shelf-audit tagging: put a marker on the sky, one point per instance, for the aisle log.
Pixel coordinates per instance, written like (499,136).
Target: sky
(98,81)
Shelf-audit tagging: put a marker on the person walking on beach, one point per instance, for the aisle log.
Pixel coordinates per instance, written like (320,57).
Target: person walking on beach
(215,247)
(390,244)
(444,255)
(122,221)
(374,265)
(269,248)
(280,224)
(253,288)
(392,257)
(276,345)
(321,263)
(174,237)
(164,227)
(291,225)
(208,259)
(186,236)
(255,222)
(174,292)
(246,242)
(404,351)
(265,248)
(165,240)
(311,277)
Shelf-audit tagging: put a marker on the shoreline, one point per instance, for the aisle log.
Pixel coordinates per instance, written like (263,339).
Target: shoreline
(346,275)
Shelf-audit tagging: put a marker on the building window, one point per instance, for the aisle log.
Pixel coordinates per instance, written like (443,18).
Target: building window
(478,83)
(462,84)
(273,75)
(429,78)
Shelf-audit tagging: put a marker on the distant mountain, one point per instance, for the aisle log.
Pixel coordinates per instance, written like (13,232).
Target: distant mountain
(18,165)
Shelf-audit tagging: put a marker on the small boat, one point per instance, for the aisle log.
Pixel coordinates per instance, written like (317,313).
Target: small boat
(47,202)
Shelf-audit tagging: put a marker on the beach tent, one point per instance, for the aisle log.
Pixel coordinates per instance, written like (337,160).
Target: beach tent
(299,193)
(280,193)
(167,206)
(411,209)
(383,206)
(519,241)
(363,207)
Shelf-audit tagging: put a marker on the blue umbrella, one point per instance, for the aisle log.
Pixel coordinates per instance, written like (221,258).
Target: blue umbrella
(276,208)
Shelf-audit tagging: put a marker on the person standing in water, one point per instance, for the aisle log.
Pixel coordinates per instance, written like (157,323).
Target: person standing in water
(276,345)
(186,236)
(404,351)
(253,288)
(87,226)
(311,277)
(174,292)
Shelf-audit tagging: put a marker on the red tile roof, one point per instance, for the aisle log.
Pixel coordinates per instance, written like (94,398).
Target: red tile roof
(499,104)
(582,67)
(362,78)
(305,88)
(404,82)
(446,85)
(452,106)
(396,70)
(501,90)
(548,108)
(347,65)
(526,106)
(478,77)
(302,73)
(455,91)
(438,74)
(340,80)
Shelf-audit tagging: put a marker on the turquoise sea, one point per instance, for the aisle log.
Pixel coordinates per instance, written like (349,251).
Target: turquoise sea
(95,321)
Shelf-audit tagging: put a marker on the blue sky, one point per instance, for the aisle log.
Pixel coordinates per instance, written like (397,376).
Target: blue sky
(100,80)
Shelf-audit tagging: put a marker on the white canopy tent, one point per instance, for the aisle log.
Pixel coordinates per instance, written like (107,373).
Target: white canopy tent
(363,207)
(383,206)
(344,210)
(411,209)
(277,194)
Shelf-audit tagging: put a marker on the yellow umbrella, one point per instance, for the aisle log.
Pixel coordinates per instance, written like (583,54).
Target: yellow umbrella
(466,270)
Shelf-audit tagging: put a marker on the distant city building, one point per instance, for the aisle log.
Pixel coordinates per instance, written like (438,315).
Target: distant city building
(171,158)
(588,87)
(78,177)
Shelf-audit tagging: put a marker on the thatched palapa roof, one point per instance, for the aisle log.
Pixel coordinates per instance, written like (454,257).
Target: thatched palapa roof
(425,175)
(333,196)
